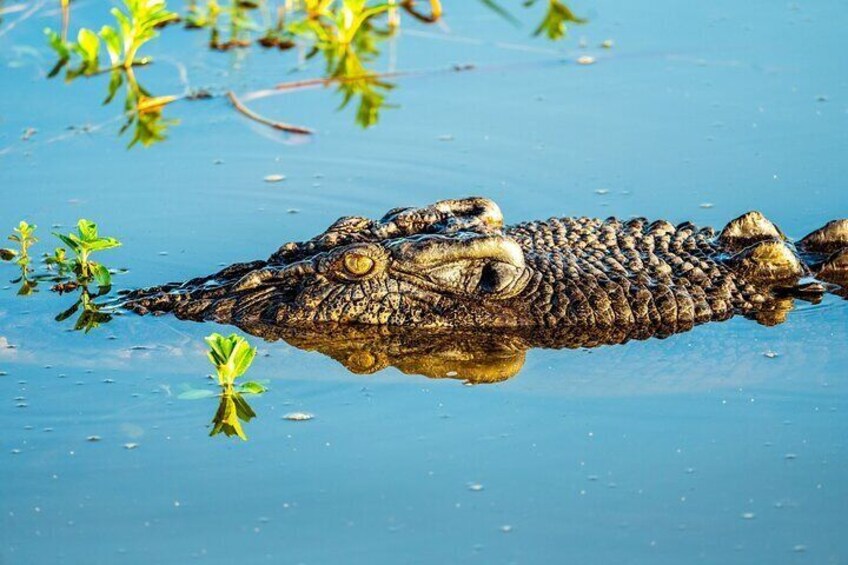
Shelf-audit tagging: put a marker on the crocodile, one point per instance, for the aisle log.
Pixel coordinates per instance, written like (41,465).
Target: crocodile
(455,265)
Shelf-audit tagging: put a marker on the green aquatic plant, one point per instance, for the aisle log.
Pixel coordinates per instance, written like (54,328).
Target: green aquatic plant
(231,356)
(59,262)
(346,33)
(83,243)
(24,236)
(135,26)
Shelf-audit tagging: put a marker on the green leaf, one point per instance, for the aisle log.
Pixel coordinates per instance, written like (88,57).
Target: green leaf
(103,243)
(61,48)
(113,44)
(87,230)
(71,241)
(88,46)
(242,356)
(101,274)
(252,387)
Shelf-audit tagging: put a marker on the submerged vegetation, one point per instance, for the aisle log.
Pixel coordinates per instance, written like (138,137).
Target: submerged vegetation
(346,34)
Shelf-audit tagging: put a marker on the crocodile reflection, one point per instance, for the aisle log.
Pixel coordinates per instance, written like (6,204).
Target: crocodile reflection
(473,357)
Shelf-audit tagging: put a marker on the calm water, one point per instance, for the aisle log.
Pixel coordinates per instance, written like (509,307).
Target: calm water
(695,448)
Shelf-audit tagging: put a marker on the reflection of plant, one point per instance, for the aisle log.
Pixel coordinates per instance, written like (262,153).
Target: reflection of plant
(83,243)
(232,410)
(345,65)
(347,38)
(556,17)
(142,110)
(28,285)
(91,316)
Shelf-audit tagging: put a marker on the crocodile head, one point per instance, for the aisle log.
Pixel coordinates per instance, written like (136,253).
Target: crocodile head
(453,265)
(448,264)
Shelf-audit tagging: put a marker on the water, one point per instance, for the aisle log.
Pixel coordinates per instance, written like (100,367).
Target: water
(698,447)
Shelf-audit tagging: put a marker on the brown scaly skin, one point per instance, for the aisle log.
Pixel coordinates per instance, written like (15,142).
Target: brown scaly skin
(454,265)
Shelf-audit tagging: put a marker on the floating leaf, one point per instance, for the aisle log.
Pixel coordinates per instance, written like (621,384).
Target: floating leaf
(252,387)
(196,394)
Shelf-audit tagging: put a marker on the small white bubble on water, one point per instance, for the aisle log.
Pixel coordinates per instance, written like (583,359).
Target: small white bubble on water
(748,515)
(298,416)
(274,178)
(475,487)
(770,354)
(130,445)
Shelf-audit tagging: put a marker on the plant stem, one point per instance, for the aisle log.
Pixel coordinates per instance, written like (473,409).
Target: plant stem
(256,117)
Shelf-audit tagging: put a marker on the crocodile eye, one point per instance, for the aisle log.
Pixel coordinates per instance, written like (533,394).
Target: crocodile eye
(358,264)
